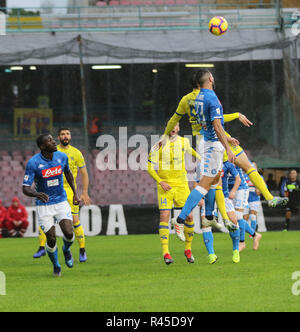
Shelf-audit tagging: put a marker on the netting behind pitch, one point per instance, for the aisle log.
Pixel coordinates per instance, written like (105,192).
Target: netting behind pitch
(143,93)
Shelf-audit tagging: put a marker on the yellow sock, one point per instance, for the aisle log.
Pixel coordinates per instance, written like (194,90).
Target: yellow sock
(259,183)
(220,199)
(164,236)
(42,238)
(189,227)
(79,233)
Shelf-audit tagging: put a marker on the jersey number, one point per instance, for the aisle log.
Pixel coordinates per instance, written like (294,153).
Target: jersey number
(163,202)
(199,114)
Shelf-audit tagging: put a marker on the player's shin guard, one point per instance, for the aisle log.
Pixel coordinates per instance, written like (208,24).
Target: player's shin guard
(194,198)
(208,239)
(235,237)
(189,227)
(53,255)
(242,227)
(164,237)
(220,199)
(68,243)
(42,238)
(253,221)
(249,229)
(259,183)
(210,200)
(79,233)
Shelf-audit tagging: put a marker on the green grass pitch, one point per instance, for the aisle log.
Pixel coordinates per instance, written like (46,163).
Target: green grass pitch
(127,273)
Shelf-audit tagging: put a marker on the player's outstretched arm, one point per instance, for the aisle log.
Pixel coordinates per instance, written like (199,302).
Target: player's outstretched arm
(242,118)
(70,180)
(172,123)
(28,191)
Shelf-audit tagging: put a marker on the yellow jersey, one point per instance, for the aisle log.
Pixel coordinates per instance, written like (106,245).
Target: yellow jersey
(168,163)
(187,106)
(76,160)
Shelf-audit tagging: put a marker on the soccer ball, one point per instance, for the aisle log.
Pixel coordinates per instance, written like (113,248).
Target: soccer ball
(218,25)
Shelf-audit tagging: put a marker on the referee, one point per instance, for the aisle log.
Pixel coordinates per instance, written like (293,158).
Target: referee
(292,191)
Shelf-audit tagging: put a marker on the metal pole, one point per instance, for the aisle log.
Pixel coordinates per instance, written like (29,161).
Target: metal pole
(278,11)
(83,92)
(274,105)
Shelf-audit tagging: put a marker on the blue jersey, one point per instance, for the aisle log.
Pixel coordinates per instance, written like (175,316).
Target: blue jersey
(229,171)
(48,176)
(243,184)
(208,108)
(253,197)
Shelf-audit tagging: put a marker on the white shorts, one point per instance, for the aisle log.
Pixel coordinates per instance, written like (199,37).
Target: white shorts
(200,147)
(212,159)
(200,150)
(241,199)
(252,206)
(49,215)
(229,205)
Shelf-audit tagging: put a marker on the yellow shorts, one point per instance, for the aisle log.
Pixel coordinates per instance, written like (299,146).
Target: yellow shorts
(74,208)
(237,150)
(176,197)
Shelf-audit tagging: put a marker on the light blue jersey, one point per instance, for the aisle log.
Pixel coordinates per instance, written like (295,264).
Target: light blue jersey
(243,184)
(208,108)
(48,176)
(229,171)
(253,197)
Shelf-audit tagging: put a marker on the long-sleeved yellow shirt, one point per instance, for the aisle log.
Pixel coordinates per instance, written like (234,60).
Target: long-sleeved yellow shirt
(187,106)
(168,163)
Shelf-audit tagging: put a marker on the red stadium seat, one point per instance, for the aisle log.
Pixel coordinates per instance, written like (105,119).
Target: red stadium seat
(101,4)
(6,158)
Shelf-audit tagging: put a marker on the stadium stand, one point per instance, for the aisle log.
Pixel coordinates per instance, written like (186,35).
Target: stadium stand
(129,187)
(116,187)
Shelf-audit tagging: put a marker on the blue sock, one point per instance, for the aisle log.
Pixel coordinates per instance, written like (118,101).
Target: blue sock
(210,200)
(248,229)
(235,237)
(53,255)
(192,201)
(253,221)
(68,243)
(208,241)
(242,229)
